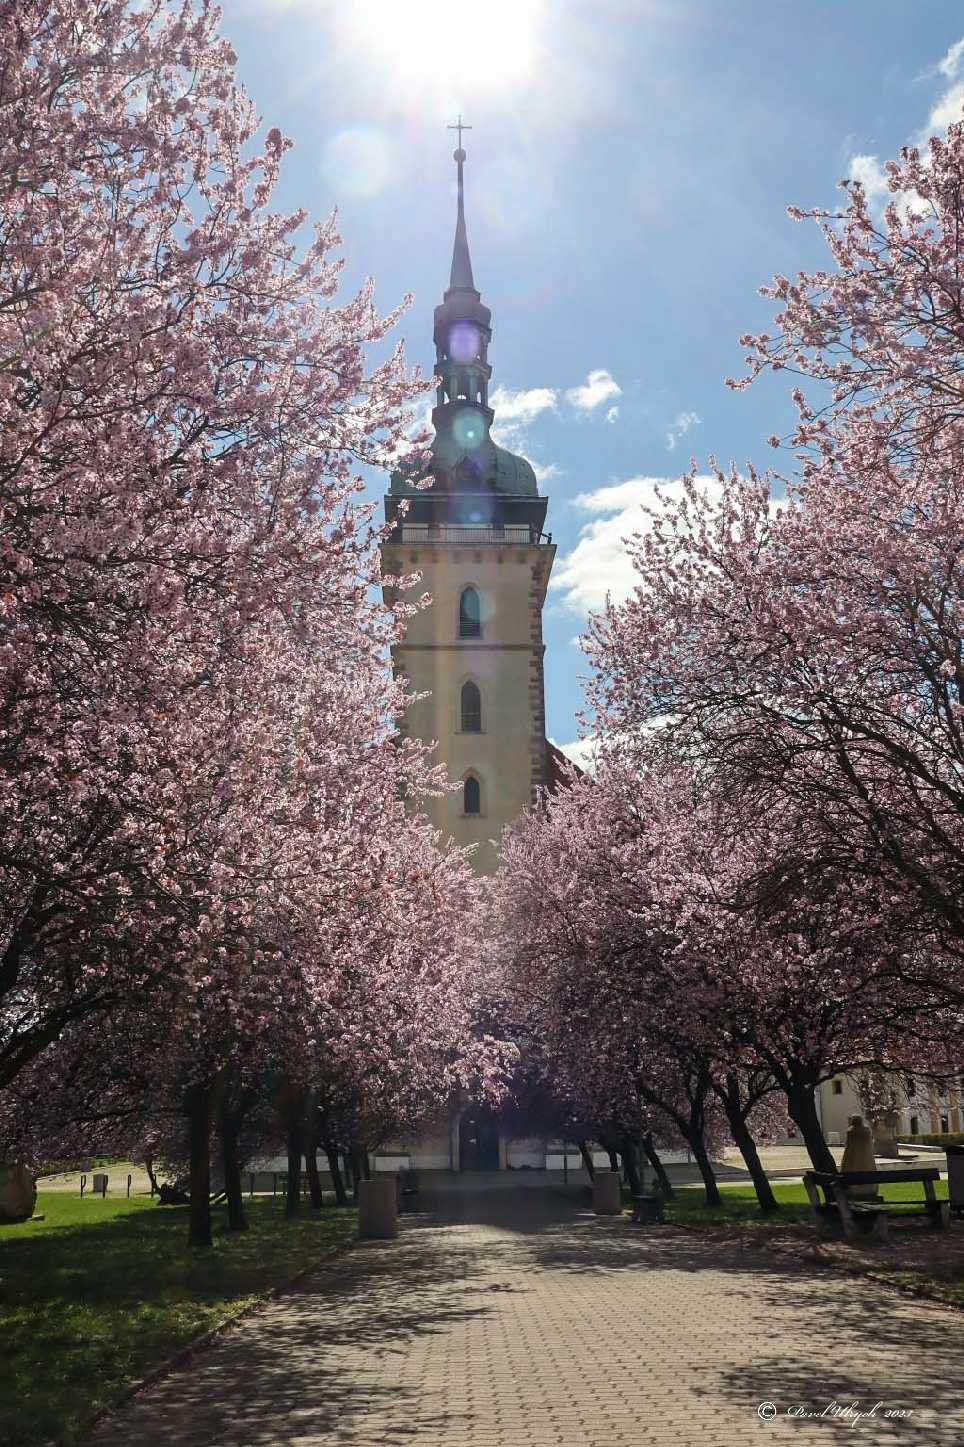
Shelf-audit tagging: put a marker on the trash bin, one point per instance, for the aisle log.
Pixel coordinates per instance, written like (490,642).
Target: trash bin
(606,1193)
(378,1207)
(647,1210)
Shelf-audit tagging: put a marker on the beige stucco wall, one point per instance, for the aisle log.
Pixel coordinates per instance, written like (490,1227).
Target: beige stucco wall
(837,1108)
(508,756)
(927,1107)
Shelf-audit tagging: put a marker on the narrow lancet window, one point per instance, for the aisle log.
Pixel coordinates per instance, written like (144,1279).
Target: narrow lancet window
(472,796)
(471,709)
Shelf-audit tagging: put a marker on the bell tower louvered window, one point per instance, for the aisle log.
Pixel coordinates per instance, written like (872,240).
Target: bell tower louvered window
(470,614)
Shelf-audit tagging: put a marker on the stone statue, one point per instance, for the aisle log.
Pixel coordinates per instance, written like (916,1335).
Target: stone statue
(859,1154)
(885,1130)
(18,1194)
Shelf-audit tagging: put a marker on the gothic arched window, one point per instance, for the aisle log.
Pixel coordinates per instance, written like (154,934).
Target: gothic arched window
(470,614)
(471,708)
(472,796)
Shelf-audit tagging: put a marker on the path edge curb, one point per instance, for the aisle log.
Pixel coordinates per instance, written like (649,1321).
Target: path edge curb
(205,1338)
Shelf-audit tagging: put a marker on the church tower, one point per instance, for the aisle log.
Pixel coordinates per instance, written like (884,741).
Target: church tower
(476,536)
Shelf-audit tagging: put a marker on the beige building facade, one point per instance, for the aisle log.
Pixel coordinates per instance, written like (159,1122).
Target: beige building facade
(482,695)
(922,1107)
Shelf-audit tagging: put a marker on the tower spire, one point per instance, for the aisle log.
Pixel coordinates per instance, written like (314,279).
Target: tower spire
(461,275)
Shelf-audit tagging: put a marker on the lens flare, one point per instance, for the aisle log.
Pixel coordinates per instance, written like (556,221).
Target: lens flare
(468,429)
(464,342)
(358,162)
(461,48)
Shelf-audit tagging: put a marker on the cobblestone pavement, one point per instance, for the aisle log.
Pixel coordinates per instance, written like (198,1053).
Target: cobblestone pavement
(514,1318)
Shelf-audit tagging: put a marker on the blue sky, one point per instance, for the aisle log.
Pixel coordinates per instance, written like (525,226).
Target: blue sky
(628,171)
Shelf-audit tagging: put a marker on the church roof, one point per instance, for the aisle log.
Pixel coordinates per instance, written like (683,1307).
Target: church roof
(464,457)
(460,278)
(514,475)
(557,766)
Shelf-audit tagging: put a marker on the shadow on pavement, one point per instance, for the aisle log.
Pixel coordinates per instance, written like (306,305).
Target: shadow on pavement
(335,1359)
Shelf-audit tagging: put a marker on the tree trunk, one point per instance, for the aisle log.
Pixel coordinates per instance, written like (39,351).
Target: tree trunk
(331,1152)
(200,1101)
(311,1167)
(613,1158)
(360,1168)
(586,1154)
(231,1166)
(734,1105)
(631,1167)
(698,1146)
(149,1168)
(803,1112)
(294,1135)
(652,1155)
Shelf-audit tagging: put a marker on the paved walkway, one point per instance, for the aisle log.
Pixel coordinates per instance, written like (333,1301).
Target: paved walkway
(514,1318)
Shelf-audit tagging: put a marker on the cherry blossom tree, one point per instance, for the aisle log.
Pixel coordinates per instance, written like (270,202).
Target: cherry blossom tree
(210,836)
(582,948)
(799,638)
(182,405)
(662,980)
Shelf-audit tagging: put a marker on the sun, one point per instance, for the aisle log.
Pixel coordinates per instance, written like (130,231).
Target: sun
(453,50)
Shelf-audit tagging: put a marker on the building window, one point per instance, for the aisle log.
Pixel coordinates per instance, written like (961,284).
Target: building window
(945,1125)
(471,709)
(838,1087)
(472,796)
(470,614)
(914,1125)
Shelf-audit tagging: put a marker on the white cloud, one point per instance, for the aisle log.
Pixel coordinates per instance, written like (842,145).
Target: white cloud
(523,406)
(545,474)
(600,386)
(948,107)
(514,411)
(581,751)
(680,427)
(599,565)
(612,414)
(872,176)
(590,753)
(951,63)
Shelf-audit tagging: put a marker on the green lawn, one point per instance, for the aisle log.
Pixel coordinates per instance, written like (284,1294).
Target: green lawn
(939,1275)
(740,1203)
(103,1290)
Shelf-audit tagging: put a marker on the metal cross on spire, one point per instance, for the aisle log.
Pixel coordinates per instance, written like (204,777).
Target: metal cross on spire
(460,128)
(461,277)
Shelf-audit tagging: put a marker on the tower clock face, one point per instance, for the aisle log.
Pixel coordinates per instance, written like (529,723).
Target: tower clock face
(465,342)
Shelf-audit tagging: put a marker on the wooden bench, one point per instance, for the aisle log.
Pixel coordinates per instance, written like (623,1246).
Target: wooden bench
(869,1215)
(955,1178)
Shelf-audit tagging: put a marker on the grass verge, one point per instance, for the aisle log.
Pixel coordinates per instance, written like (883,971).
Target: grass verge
(740,1204)
(916,1261)
(102,1291)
